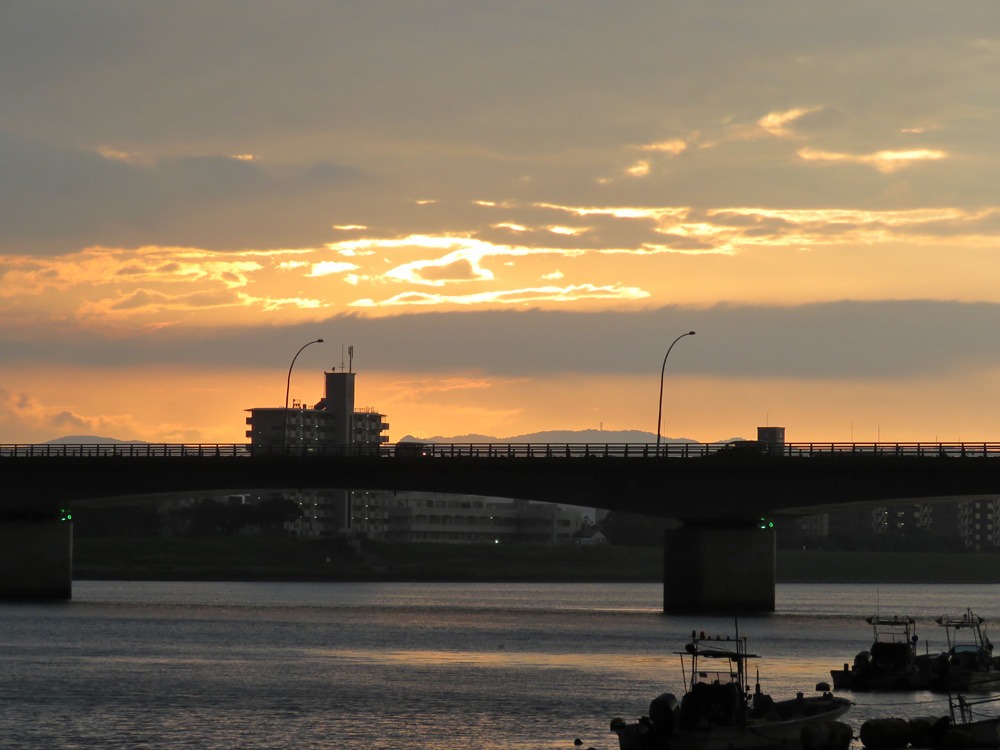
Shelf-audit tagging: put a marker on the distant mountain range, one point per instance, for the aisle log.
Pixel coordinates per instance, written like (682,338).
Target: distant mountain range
(90,440)
(560,436)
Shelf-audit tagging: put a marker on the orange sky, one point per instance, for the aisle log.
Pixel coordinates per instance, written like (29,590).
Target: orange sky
(510,214)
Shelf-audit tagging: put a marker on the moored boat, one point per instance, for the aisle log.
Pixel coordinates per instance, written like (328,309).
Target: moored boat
(719,712)
(966,726)
(969,727)
(969,663)
(892,662)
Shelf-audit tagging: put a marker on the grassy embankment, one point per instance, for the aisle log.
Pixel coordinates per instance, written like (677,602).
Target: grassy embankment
(280,558)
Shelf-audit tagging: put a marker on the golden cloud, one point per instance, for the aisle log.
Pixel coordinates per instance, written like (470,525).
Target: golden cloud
(512,296)
(883,161)
(674,146)
(329,267)
(776,123)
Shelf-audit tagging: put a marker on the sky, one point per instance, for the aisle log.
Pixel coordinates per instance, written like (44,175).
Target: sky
(509,211)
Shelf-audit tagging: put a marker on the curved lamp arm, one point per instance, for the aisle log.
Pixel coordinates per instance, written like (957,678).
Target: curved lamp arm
(663,369)
(288,384)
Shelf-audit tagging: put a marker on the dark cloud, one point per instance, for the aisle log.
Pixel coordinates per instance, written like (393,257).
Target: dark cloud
(56,200)
(880,340)
(356,108)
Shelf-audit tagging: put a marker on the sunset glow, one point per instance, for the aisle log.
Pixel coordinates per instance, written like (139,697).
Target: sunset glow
(509,227)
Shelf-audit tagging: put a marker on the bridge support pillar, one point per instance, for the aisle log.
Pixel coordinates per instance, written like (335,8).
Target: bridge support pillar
(718,570)
(36,559)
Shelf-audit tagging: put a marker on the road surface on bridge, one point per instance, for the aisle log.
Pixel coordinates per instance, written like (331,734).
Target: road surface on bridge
(714,483)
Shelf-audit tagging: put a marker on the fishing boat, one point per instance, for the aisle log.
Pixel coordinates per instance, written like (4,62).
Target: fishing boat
(969,663)
(972,728)
(719,712)
(891,662)
(966,726)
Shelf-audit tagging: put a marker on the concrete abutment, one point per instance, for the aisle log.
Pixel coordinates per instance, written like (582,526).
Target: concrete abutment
(36,560)
(722,570)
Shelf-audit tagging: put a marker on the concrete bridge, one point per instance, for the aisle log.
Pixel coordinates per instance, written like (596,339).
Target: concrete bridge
(719,493)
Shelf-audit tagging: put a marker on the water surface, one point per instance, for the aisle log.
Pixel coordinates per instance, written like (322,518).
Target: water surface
(436,666)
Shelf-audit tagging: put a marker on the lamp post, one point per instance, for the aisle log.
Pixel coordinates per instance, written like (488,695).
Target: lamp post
(663,369)
(288,385)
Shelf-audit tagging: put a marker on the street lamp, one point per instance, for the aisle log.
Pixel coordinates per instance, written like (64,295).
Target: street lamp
(288,384)
(659,416)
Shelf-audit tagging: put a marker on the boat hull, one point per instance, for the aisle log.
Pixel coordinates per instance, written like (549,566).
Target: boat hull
(757,734)
(985,733)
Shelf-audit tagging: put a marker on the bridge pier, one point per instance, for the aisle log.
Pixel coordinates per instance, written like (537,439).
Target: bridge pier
(713,569)
(36,559)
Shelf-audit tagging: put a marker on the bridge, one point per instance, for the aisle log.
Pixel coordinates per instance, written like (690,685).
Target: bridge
(719,492)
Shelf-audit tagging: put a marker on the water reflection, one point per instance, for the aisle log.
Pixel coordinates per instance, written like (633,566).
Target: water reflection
(434,667)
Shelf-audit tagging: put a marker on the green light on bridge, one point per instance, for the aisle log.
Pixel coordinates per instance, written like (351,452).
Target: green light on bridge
(65,515)
(765,523)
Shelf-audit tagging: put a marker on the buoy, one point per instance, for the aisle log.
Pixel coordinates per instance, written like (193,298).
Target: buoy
(826,735)
(957,739)
(928,731)
(885,734)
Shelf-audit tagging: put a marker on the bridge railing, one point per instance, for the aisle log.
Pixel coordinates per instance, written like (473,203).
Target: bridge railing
(549,450)
(407,449)
(195,450)
(504,450)
(689,450)
(944,450)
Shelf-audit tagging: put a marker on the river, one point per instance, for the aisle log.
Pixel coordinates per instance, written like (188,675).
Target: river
(435,666)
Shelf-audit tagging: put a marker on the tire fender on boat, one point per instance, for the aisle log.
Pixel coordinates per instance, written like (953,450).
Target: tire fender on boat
(826,735)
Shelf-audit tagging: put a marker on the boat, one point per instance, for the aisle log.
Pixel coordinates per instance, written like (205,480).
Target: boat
(891,662)
(965,726)
(971,731)
(719,712)
(969,663)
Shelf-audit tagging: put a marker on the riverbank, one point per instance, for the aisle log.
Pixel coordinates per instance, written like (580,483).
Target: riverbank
(284,558)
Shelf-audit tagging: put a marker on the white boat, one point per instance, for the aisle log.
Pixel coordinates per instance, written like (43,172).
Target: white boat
(719,712)
(969,663)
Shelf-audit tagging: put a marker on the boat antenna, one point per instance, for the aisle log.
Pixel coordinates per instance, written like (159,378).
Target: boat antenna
(740,660)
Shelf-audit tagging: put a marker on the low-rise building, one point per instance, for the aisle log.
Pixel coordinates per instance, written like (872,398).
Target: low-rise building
(434,517)
(333,421)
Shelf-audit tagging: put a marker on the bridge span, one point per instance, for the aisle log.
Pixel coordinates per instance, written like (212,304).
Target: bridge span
(719,492)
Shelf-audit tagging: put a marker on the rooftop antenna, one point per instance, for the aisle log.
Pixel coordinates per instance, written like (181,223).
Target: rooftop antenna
(350,359)
(342,358)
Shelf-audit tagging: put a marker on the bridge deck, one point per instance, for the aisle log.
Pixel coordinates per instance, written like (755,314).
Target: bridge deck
(696,483)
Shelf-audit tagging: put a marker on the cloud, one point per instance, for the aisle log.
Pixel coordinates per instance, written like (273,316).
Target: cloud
(883,161)
(672,146)
(785,124)
(638,169)
(24,415)
(457,266)
(328,267)
(571,293)
(853,340)
(55,198)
